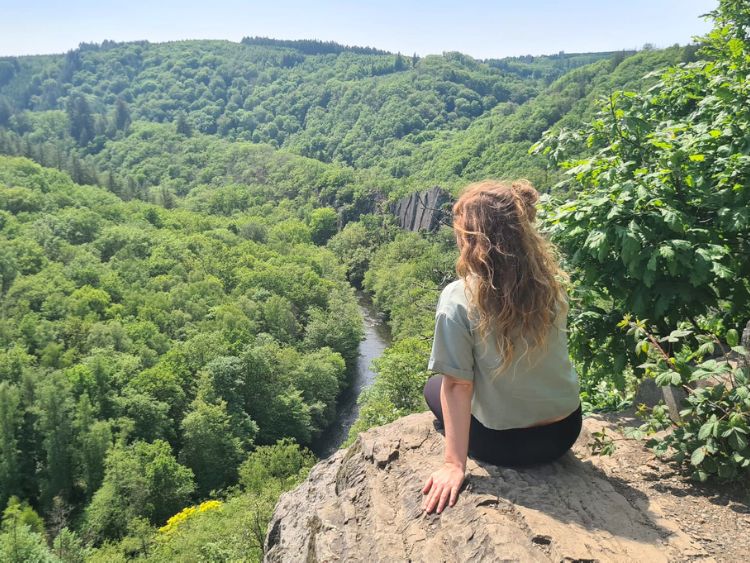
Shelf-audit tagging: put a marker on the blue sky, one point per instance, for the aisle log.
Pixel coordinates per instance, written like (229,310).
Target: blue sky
(482,29)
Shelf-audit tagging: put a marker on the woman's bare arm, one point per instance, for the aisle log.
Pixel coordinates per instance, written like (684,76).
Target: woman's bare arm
(443,485)
(455,398)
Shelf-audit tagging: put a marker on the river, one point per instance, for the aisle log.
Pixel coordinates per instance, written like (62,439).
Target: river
(377,338)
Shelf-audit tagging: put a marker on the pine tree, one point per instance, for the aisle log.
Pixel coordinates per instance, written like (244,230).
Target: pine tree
(80,118)
(76,169)
(112,184)
(71,65)
(168,200)
(10,419)
(93,440)
(55,426)
(182,125)
(122,115)
(5,111)
(399,64)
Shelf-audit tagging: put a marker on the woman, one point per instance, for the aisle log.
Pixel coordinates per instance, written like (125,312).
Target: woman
(507,393)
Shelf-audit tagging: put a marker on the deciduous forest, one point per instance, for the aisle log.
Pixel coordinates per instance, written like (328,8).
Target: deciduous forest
(184,227)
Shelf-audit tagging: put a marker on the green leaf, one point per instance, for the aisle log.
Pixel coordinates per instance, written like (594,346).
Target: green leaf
(596,241)
(709,465)
(722,271)
(673,220)
(675,335)
(706,430)
(738,441)
(663,379)
(741,377)
(697,157)
(736,46)
(631,247)
(698,456)
(666,252)
(661,145)
(732,337)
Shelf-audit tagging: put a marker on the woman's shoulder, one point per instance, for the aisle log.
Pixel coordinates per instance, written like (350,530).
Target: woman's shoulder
(454,300)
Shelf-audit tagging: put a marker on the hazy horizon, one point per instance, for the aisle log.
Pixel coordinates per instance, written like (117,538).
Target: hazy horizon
(480,29)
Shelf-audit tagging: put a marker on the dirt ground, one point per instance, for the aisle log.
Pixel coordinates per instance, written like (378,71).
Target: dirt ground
(715,516)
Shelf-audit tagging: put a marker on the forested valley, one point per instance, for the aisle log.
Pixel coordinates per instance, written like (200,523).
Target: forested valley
(183,228)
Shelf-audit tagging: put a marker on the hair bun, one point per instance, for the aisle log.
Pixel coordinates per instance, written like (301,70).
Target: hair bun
(528,195)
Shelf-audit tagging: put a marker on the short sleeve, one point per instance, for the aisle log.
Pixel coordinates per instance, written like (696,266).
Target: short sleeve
(452,352)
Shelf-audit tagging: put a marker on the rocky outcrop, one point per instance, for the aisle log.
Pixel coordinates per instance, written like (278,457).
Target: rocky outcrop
(422,211)
(364,504)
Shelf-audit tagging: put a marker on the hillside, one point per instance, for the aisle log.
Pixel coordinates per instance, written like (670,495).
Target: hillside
(402,116)
(186,229)
(138,330)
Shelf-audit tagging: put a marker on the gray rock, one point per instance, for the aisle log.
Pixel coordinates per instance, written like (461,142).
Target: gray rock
(422,211)
(649,394)
(364,504)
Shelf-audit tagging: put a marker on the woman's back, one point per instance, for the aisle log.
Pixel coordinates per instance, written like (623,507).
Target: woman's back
(505,391)
(537,385)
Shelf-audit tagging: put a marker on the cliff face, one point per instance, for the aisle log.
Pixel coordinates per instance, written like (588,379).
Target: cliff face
(364,504)
(422,211)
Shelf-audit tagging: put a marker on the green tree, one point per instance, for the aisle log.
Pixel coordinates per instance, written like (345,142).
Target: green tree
(279,319)
(278,407)
(210,448)
(660,226)
(54,407)
(93,440)
(140,480)
(21,535)
(182,126)
(5,111)
(354,246)
(150,416)
(339,327)
(285,461)
(122,115)
(10,425)
(80,119)
(323,224)
(69,548)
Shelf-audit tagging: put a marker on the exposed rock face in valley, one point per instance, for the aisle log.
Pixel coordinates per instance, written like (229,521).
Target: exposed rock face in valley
(364,504)
(422,211)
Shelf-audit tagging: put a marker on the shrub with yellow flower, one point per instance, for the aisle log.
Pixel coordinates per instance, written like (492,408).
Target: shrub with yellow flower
(186,514)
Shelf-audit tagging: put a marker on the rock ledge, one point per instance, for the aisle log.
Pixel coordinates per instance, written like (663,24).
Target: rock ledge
(364,504)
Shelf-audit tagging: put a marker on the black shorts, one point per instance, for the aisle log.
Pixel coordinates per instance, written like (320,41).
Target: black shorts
(515,446)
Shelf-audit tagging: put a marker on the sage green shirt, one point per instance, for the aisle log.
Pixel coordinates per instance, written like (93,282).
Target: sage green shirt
(537,386)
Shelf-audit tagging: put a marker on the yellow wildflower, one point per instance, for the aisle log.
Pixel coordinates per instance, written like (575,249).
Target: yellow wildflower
(186,513)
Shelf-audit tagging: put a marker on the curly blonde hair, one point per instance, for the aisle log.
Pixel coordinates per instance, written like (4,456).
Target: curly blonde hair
(514,281)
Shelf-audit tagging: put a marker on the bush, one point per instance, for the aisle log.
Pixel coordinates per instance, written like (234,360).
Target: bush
(710,438)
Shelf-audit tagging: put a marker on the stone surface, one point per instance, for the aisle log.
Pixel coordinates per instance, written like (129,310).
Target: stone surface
(364,504)
(651,395)
(422,211)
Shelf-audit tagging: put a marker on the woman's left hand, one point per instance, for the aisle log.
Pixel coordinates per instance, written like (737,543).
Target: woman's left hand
(442,488)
